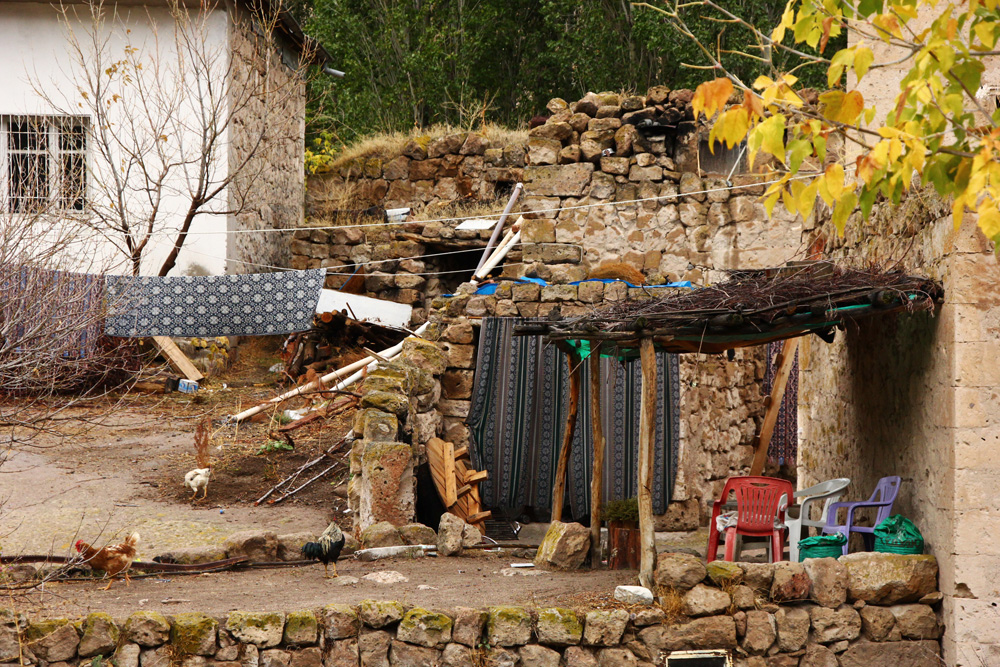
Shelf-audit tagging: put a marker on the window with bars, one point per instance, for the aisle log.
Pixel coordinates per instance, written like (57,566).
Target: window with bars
(44,163)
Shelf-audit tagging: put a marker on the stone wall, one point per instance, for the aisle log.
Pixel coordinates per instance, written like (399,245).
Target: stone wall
(267,100)
(859,611)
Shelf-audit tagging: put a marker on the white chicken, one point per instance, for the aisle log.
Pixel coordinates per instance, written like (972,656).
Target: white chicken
(197,480)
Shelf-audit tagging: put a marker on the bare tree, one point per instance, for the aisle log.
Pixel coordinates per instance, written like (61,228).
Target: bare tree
(180,125)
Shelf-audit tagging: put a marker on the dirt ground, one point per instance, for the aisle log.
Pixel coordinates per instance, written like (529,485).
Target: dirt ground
(126,474)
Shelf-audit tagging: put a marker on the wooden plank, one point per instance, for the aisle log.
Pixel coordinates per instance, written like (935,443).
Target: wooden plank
(476,476)
(177,360)
(647,436)
(448,460)
(462,452)
(559,491)
(786,359)
(597,471)
(479,516)
(467,488)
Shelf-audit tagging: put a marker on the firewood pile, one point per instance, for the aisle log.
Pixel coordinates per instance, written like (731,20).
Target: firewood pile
(334,340)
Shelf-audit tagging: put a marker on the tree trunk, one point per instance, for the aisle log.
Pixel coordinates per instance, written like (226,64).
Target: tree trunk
(559,490)
(647,432)
(597,474)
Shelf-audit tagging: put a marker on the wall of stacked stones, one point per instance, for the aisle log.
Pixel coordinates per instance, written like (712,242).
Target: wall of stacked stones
(858,611)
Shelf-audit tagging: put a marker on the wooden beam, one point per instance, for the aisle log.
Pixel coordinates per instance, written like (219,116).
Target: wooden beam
(597,472)
(448,459)
(475,476)
(647,436)
(559,489)
(177,360)
(785,361)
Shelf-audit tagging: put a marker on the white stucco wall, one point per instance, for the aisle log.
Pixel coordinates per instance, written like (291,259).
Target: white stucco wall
(34,52)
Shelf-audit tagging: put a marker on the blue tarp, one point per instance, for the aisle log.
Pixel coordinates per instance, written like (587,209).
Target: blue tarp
(491,288)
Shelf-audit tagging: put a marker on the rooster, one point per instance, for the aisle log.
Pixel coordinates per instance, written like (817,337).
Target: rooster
(197,480)
(326,549)
(113,559)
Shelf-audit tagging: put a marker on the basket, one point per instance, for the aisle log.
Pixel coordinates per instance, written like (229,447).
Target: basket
(822,546)
(898,535)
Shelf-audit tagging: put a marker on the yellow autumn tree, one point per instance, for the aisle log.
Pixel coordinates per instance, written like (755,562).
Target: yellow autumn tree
(943,129)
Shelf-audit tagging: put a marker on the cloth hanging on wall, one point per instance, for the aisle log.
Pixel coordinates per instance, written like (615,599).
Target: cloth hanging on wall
(253,304)
(518,415)
(784,443)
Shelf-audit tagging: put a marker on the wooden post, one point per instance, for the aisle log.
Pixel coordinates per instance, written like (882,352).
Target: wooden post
(785,360)
(647,435)
(559,490)
(597,474)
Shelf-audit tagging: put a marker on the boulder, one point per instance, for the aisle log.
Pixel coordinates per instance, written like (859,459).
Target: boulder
(542,150)
(761,632)
(633,595)
(301,628)
(924,653)
(162,656)
(381,534)
(275,658)
(470,536)
(508,626)
(341,653)
(616,657)
(194,633)
(425,628)
(793,628)
(704,600)
(678,570)
(100,636)
(700,633)
(831,625)
(385,401)
(127,655)
(380,613)
(417,533)
(475,144)
(468,626)
(817,655)
(580,657)
(744,597)
(58,645)
(340,621)
(445,145)
(373,647)
(425,355)
(534,655)
(290,545)
(828,577)
(758,576)
(454,655)
(568,180)
(559,627)
(449,535)
(263,630)
(605,628)
(790,582)
(257,545)
(723,572)
(193,555)
(877,622)
(565,546)
(885,579)
(147,628)
(307,657)
(501,657)
(916,621)
(386,492)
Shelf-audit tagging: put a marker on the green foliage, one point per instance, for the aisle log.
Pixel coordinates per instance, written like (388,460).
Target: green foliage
(321,152)
(272,446)
(621,510)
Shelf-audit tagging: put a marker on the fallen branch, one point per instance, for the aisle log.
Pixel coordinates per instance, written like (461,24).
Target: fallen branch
(305,466)
(304,485)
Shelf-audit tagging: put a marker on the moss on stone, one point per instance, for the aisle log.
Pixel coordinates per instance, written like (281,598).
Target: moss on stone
(191,631)
(379,613)
(506,616)
(386,401)
(39,629)
(301,627)
(428,619)
(91,622)
(239,620)
(565,619)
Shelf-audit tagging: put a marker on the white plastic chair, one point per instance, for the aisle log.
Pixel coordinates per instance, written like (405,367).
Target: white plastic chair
(828,492)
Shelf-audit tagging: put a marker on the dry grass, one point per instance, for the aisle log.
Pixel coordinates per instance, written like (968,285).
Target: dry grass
(468,207)
(671,601)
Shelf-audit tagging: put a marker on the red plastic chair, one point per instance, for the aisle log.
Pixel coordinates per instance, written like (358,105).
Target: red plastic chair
(759,514)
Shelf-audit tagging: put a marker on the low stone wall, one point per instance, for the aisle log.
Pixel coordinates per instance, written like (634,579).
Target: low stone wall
(858,611)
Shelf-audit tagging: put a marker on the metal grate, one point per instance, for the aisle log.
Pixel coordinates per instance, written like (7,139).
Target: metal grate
(43,162)
(502,530)
(707,658)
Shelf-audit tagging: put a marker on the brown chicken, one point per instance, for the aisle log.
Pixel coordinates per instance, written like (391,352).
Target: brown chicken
(114,559)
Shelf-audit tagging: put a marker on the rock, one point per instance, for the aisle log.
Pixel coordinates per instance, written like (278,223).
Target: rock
(508,626)
(263,630)
(445,145)
(501,657)
(916,621)
(257,545)
(158,657)
(342,653)
(761,632)
(557,104)
(829,581)
(580,657)
(704,600)
(340,621)
(470,536)
(194,633)
(651,616)
(758,576)
(468,626)
(193,555)
(817,655)
(475,144)
(923,653)
(877,622)
(386,577)
(605,628)
(790,582)
(831,625)
(534,655)
(381,534)
(373,647)
(449,535)
(568,180)
(408,655)
(616,657)
(290,545)
(385,401)
(565,546)
(147,628)
(127,655)
(559,627)
(307,657)
(633,595)
(301,628)
(884,578)
(723,572)
(677,570)
(379,613)
(345,580)
(744,597)
(793,628)
(425,355)
(387,488)
(417,533)
(100,636)
(424,628)
(414,150)
(457,655)
(542,150)
(275,658)
(701,633)
(57,645)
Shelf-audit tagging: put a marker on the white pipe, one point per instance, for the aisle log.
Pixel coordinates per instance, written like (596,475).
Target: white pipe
(361,365)
(497,257)
(496,230)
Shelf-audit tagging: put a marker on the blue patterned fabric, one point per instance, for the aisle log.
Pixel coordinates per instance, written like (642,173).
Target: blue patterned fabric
(254,304)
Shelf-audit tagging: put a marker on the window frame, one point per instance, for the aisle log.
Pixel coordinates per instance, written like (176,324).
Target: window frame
(55,127)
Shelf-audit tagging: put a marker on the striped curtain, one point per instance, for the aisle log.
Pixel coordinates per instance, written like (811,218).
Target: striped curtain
(784,445)
(518,416)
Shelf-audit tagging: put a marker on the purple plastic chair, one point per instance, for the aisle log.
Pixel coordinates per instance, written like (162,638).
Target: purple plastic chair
(883,498)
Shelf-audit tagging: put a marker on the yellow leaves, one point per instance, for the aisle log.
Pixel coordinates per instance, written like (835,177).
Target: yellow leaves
(986,32)
(958,211)
(731,127)
(711,97)
(778,91)
(769,136)
(863,59)
(887,26)
(841,61)
(787,19)
(842,211)
(753,105)
(831,183)
(989,219)
(842,107)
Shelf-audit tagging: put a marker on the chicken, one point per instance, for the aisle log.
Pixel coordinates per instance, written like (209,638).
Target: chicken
(113,559)
(326,549)
(197,480)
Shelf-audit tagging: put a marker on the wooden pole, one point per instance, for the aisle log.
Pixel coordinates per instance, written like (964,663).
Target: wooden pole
(597,474)
(559,490)
(647,435)
(785,361)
